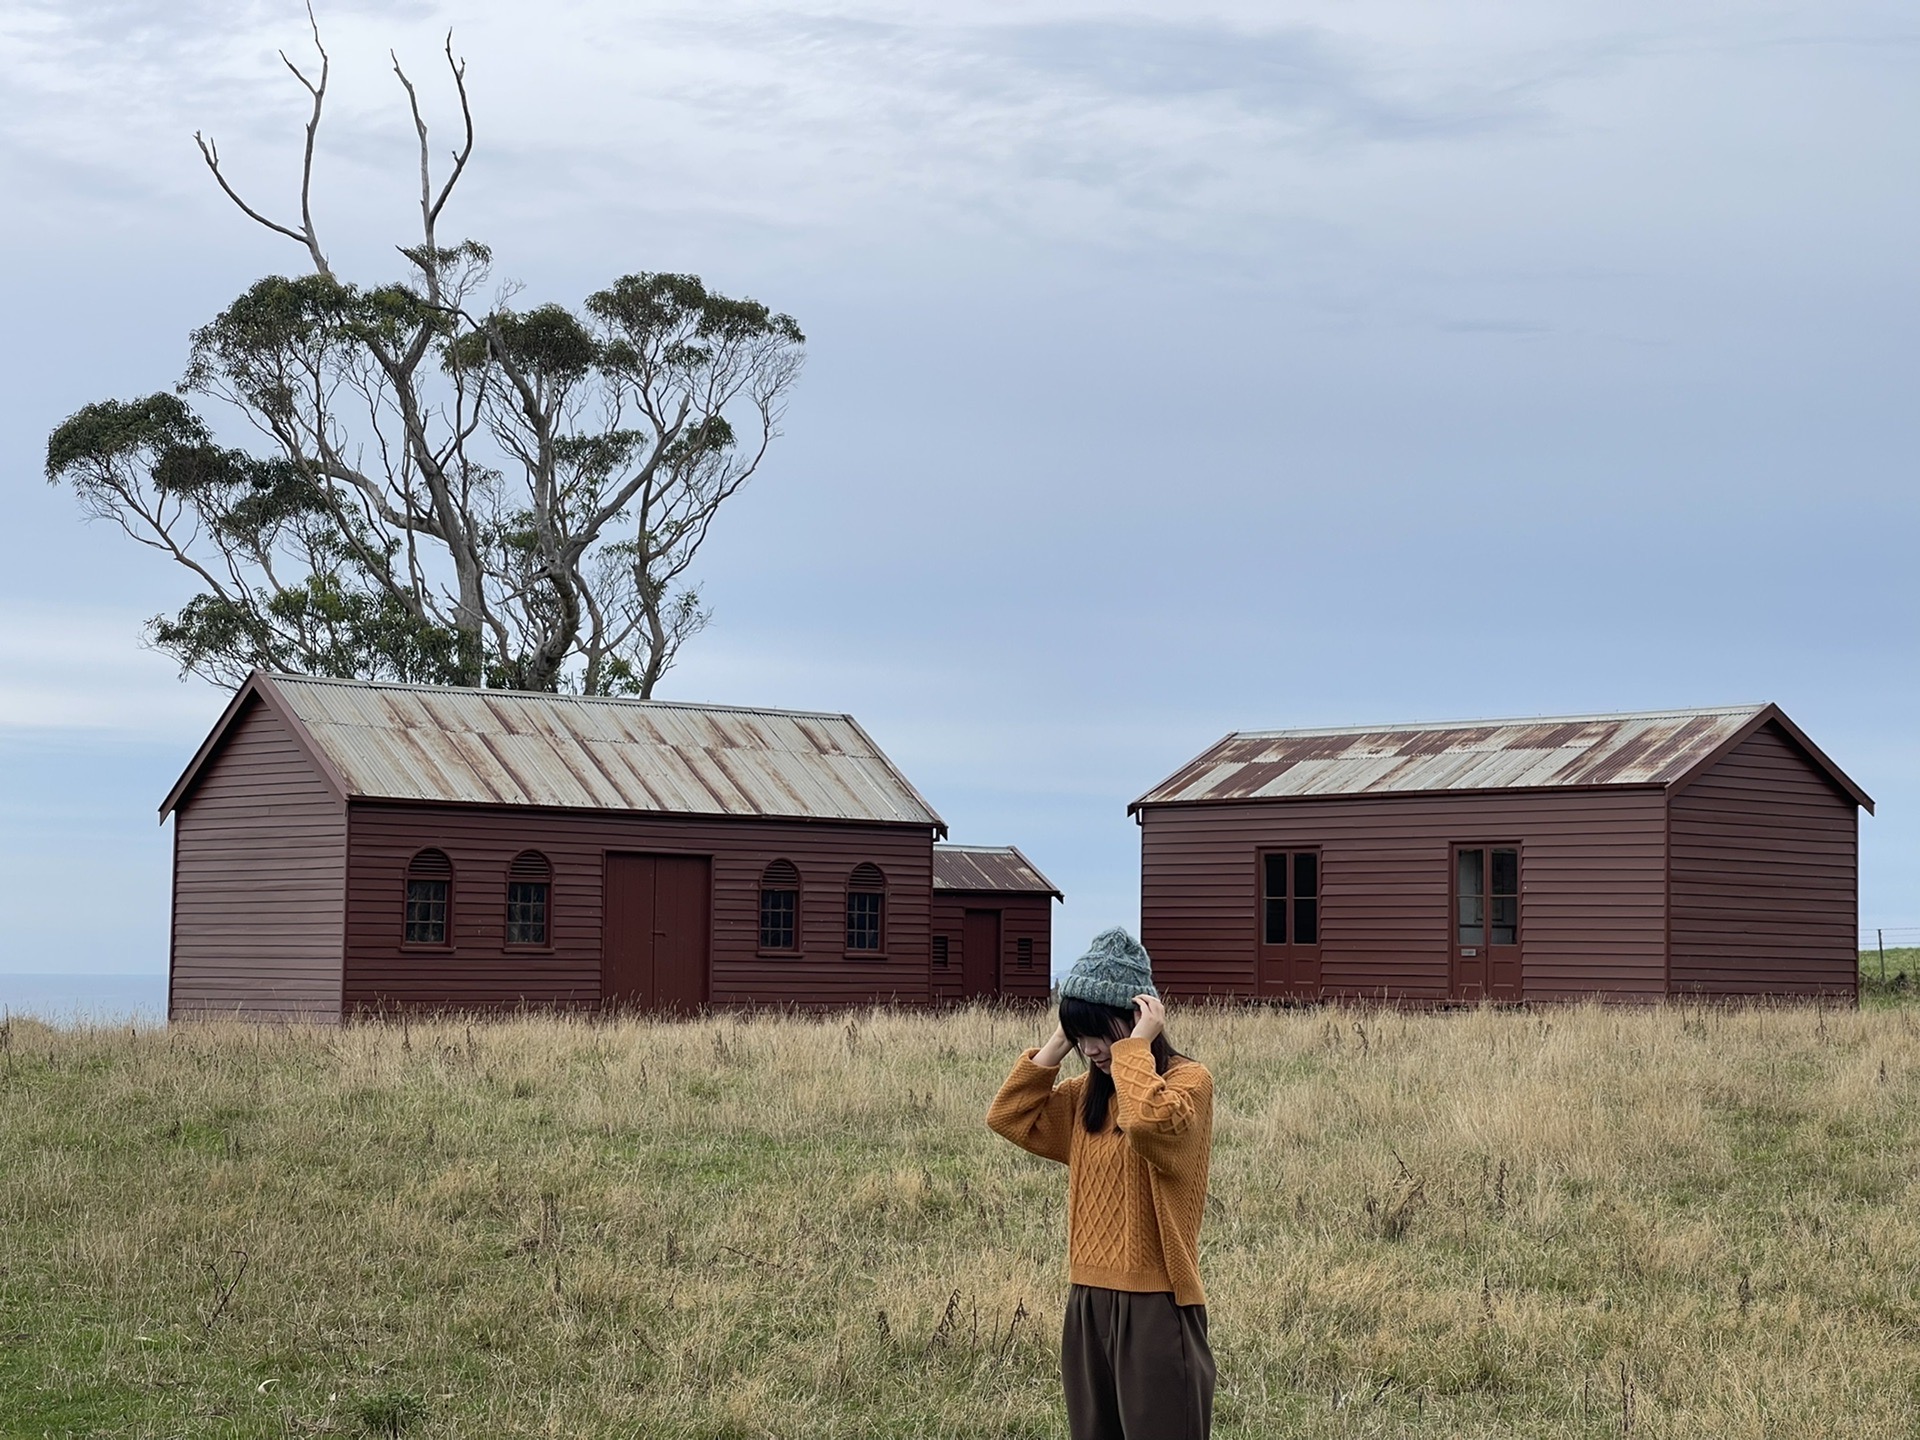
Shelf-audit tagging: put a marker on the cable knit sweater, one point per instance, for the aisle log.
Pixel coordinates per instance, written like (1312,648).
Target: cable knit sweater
(1134,1194)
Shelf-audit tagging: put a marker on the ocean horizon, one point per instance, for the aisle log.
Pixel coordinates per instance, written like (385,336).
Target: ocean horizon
(86,999)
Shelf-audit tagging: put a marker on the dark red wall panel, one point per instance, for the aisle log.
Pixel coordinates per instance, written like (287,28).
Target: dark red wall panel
(1765,855)
(1022,916)
(259,869)
(1592,889)
(479,969)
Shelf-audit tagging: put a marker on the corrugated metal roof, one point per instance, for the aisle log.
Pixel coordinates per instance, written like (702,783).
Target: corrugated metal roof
(988,867)
(503,747)
(1652,748)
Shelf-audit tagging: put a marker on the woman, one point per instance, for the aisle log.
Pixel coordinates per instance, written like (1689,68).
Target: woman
(1134,1132)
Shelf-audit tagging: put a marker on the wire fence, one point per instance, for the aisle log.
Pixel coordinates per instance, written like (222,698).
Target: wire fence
(1888,949)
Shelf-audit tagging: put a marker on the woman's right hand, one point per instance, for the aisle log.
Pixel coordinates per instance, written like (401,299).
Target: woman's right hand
(1055,1050)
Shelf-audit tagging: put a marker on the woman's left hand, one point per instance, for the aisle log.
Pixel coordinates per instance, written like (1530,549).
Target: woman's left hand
(1151,1018)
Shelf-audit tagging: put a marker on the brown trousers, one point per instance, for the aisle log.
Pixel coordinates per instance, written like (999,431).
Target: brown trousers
(1136,1367)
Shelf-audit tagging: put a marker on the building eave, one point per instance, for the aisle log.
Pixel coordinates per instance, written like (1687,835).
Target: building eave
(257,687)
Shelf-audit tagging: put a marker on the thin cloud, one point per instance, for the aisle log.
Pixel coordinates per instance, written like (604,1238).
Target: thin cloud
(1299,74)
(65,668)
(1123,131)
(1495,327)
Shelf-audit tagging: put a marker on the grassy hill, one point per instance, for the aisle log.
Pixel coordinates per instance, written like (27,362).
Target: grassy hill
(1684,1223)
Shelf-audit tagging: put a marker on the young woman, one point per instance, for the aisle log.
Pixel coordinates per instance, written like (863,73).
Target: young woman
(1135,1132)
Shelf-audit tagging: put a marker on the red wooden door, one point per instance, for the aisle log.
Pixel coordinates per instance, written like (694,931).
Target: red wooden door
(1486,923)
(1287,953)
(980,953)
(654,945)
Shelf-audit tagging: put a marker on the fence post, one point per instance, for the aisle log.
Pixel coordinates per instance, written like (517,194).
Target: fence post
(1880,938)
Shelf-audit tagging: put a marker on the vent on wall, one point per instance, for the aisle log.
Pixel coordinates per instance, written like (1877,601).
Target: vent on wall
(430,863)
(940,950)
(780,875)
(530,865)
(1023,952)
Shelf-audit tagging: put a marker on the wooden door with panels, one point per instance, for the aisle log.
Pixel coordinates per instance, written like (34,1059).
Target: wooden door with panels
(1287,956)
(1485,944)
(656,931)
(980,953)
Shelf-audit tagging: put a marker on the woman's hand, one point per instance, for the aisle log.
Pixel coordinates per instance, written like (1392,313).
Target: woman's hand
(1055,1050)
(1151,1019)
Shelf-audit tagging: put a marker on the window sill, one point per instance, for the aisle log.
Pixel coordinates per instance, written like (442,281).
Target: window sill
(423,947)
(875,956)
(781,954)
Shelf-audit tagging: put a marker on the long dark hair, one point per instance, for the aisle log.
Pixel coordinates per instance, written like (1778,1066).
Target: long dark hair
(1084,1019)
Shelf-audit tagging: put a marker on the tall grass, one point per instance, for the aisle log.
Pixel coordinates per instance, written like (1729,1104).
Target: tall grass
(1892,974)
(1583,1222)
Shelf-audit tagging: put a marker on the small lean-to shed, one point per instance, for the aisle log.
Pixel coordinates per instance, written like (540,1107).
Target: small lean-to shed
(1683,852)
(992,924)
(343,846)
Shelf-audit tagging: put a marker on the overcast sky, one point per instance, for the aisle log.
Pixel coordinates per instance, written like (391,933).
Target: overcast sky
(1173,369)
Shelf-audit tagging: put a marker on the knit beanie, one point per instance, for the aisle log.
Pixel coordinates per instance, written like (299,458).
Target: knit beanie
(1115,968)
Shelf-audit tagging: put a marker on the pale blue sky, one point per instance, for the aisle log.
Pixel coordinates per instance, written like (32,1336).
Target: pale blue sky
(1173,369)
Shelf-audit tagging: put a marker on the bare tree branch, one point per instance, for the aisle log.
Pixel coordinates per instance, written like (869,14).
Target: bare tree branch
(441,490)
(319,93)
(210,153)
(461,156)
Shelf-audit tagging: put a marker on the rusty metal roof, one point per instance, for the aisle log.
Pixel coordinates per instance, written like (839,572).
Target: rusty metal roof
(503,747)
(1651,748)
(988,867)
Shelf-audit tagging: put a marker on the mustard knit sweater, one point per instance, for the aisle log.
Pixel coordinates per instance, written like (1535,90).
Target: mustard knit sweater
(1134,1194)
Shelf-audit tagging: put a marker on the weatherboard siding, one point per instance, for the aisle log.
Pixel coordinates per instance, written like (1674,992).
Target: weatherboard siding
(1592,912)
(1765,856)
(1023,915)
(478,969)
(259,870)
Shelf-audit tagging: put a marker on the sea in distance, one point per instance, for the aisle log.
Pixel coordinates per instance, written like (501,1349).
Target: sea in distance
(86,999)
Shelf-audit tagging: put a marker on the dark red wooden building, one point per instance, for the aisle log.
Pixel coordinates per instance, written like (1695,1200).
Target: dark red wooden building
(340,845)
(992,923)
(1688,852)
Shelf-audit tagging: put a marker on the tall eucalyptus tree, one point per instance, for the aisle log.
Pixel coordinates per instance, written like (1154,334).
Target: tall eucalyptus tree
(441,486)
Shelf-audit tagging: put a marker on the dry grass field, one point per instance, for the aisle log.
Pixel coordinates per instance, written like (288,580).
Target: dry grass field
(1581,1222)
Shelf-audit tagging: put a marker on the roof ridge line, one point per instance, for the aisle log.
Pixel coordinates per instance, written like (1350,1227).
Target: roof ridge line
(1673,713)
(283,677)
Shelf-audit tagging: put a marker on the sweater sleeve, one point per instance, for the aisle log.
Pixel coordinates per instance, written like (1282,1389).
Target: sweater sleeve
(1168,1118)
(1033,1112)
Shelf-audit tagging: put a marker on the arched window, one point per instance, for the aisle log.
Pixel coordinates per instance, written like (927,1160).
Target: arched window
(429,897)
(529,888)
(780,906)
(866,910)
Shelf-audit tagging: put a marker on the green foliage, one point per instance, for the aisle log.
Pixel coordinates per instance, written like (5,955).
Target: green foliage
(371,635)
(111,432)
(548,344)
(391,1412)
(639,309)
(436,489)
